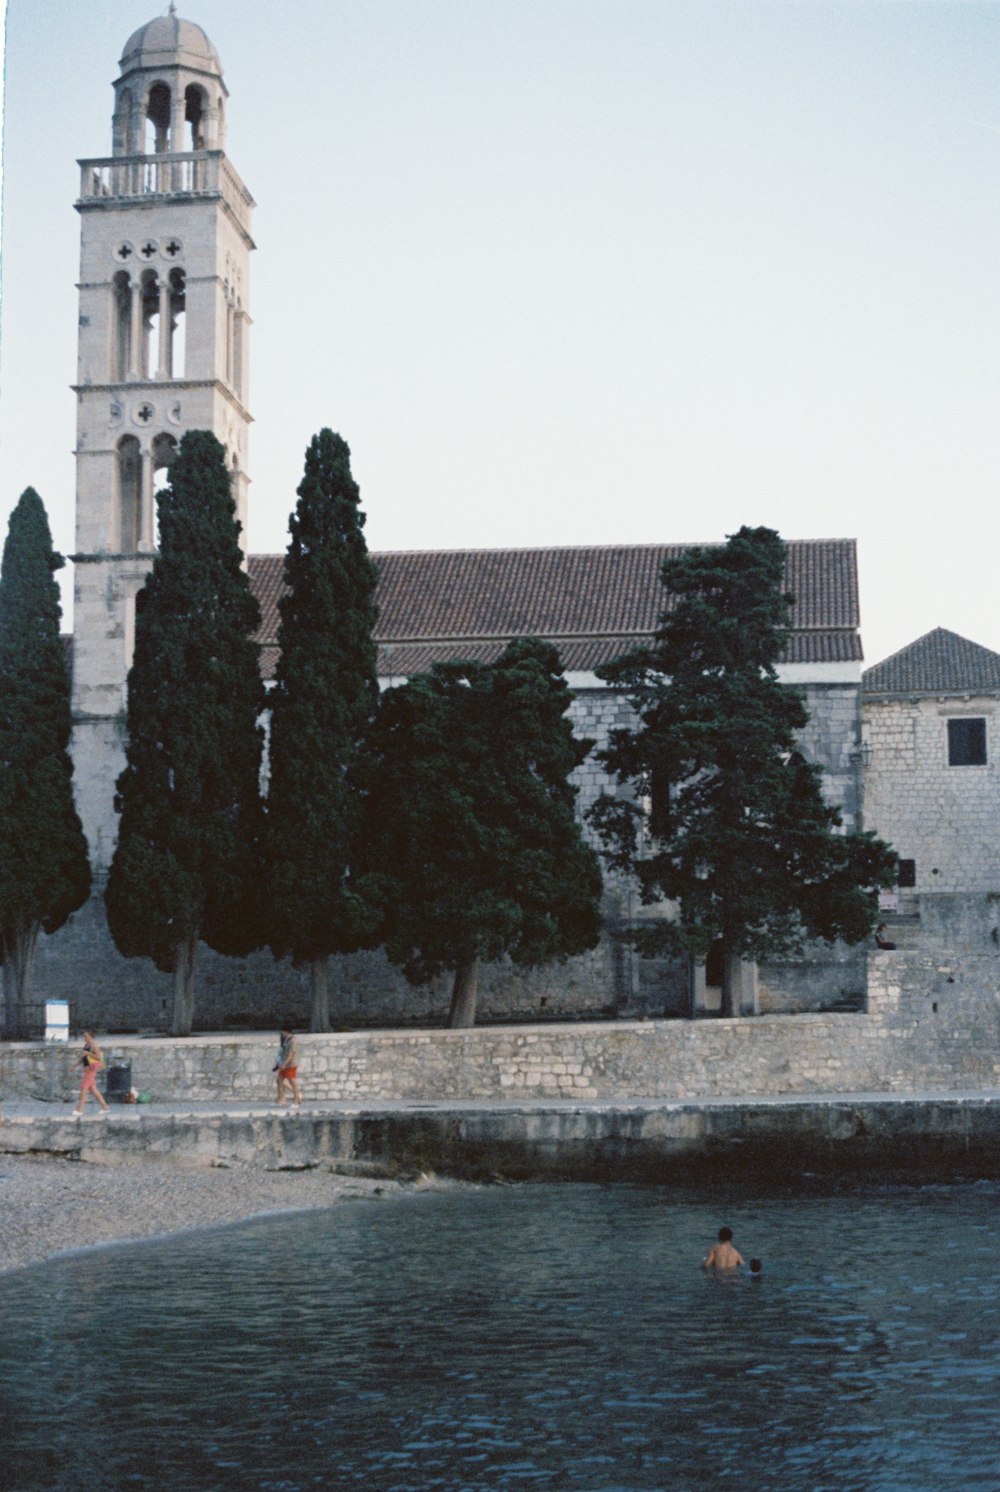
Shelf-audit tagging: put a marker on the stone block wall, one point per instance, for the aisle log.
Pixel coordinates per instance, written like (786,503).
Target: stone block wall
(932,1023)
(946,819)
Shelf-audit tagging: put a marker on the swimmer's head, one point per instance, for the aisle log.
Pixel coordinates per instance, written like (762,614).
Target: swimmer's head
(725,1234)
(755,1266)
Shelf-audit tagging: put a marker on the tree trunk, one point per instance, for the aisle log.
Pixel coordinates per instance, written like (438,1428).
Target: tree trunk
(182,1016)
(463,995)
(22,1022)
(319,1019)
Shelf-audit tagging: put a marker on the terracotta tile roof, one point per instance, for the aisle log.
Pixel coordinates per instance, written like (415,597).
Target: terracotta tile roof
(940,662)
(593,603)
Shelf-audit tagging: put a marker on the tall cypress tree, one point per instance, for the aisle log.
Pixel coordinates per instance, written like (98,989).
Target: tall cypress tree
(322,704)
(189,796)
(471,830)
(725,819)
(44,870)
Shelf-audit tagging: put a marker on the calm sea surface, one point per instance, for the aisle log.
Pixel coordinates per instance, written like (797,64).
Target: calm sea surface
(521,1338)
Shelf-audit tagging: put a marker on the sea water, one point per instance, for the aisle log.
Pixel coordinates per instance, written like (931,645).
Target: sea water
(521,1338)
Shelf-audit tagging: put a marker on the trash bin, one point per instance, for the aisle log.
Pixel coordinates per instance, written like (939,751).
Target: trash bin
(118,1087)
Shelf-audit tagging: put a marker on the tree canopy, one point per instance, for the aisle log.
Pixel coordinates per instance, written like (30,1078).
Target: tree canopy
(322,704)
(723,817)
(470,831)
(189,797)
(44,869)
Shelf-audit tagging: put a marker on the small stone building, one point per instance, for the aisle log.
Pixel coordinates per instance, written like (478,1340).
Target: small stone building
(932,785)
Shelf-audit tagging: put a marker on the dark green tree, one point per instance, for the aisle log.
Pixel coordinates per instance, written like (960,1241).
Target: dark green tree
(723,816)
(189,797)
(44,870)
(322,705)
(471,830)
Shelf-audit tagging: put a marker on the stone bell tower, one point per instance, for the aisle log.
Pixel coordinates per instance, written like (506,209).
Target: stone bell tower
(164,276)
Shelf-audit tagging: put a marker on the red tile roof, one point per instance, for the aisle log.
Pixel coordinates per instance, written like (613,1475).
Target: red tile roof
(940,662)
(592,602)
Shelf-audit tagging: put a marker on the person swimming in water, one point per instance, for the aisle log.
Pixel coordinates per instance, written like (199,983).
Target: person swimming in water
(723,1255)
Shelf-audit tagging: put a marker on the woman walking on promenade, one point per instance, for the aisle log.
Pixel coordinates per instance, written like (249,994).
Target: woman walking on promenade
(288,1069)
(91,1062)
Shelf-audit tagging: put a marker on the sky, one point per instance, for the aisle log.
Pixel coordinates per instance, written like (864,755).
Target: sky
(576,271)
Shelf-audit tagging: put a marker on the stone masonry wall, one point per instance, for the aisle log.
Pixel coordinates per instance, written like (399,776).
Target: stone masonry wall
(931,1024)
(106,991)
(946,819)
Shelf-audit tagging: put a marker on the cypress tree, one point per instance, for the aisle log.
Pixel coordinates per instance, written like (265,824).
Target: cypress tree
(471,829)
(322,704)
(189,797)
(44,870)
(724,818)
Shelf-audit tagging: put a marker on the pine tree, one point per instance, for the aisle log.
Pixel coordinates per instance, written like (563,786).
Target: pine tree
(471,828)
(44,870)
(724,818)
(189,834)
(322,704)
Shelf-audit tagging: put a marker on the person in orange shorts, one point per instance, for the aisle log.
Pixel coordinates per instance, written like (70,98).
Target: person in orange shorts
(91,1062)
(288,1069)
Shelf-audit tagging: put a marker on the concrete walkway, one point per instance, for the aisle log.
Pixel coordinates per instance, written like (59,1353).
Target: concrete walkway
(19,1109)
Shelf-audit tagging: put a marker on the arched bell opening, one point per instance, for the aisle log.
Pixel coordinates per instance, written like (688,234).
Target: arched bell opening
(195,118)
(177,344)
(164,449)
(157,136)
(128,504)
(149,341)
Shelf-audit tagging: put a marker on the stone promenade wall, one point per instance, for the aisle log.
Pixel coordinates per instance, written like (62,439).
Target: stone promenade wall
(931,1023)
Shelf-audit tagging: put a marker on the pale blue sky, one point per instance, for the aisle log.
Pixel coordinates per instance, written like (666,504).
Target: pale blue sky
(578,271)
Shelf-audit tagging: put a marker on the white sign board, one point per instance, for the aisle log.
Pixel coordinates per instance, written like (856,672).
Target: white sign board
(888,901)
(57,1020)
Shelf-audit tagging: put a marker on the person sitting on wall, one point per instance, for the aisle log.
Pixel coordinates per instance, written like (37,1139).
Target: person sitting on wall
(881,941)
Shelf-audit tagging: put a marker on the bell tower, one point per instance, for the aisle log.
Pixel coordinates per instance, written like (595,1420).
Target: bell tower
(162,348)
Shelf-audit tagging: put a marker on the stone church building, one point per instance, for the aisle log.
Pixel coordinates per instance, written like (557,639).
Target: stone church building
(166,240)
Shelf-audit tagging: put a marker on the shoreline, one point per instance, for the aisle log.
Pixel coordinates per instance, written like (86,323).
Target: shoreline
(52,1207)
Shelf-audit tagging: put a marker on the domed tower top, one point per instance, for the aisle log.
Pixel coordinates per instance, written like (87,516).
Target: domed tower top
(170,96)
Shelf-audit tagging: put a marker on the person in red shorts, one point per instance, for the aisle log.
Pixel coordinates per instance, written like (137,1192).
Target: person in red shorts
(288,1069)
(91,1063)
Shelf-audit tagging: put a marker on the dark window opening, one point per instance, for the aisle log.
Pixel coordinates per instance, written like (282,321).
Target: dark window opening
(715,965)
(907,873)
(967,742)
(659,802)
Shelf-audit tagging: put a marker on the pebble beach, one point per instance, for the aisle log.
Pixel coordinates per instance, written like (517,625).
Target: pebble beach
(50,1206)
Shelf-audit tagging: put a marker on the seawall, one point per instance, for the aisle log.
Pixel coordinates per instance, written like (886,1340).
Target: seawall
(940,1137)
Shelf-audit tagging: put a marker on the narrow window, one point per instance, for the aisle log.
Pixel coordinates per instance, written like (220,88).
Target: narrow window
(659,801)
(178,326)
(122,327)
(150,330)
(129,494)
(907,874)
(967,742)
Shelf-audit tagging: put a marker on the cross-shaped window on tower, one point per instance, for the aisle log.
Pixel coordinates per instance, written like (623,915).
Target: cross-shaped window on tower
(123,251)
(172,248)
(149,248)
(145,413)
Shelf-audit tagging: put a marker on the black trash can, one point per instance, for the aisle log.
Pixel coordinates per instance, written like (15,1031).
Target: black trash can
(118,1088)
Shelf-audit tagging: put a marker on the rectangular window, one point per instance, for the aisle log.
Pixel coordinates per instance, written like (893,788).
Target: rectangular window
(967,742)
(907,873)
